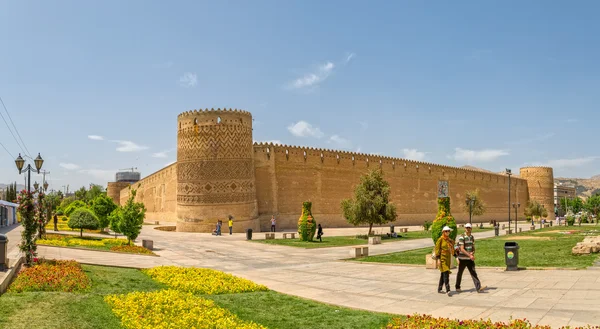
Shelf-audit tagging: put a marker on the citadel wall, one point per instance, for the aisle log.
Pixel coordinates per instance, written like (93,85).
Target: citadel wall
(286,176)
(158,192)
(540,181)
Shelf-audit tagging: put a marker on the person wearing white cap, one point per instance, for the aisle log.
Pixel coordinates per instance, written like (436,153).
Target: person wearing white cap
(466,258)
(444,248)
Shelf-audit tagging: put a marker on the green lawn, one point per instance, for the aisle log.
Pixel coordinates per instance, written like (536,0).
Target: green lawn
(88,310)
(340,241)
(541,248)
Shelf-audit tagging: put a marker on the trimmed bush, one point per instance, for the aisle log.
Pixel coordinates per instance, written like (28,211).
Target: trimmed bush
(83,218)
(307,226)
(443,218)
(73,206)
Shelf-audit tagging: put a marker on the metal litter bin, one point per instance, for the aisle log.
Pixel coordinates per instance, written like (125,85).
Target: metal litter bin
(249,234)
(3,252)
(511,255)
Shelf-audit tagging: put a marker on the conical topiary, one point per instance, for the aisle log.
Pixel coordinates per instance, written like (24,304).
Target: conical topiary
(307,226)
(443,218)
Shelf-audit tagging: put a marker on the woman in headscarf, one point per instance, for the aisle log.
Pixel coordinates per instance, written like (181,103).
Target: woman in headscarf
(444,248)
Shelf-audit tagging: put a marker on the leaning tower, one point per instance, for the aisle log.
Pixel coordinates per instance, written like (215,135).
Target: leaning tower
(215,170)
(540,183)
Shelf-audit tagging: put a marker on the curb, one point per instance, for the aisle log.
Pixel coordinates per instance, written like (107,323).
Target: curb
(11,273)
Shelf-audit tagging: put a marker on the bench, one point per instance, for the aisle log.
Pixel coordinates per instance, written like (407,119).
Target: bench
(156,222)
(546,225)
(508,232)
(356,252)
(292,235)
(403,229)
(269,236)
(520,230)
(374,240)
(148,244)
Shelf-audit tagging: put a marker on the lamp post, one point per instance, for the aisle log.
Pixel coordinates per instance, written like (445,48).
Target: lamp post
(509,173)
(20,162)
(516,206)
(45,186)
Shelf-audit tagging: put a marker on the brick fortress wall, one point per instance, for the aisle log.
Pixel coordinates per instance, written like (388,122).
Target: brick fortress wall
(287,175)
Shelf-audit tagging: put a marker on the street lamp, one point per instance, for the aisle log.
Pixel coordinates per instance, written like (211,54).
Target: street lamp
(36,186)
(509,173)
(516,206)
(20,162)
(45,186)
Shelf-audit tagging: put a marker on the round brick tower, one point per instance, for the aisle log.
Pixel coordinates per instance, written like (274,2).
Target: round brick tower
(540,183)
(215,170)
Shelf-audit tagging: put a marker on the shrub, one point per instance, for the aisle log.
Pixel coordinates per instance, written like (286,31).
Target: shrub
(73,206)
(307,226)
(103,206)
(443,218)
(131,217)
(426,321)
(427,225)
(51,276)
(172,309)
(60,212)
(202,280)
(132,250)
(83,218)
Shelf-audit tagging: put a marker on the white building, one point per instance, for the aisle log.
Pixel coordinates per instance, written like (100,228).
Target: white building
(8,213)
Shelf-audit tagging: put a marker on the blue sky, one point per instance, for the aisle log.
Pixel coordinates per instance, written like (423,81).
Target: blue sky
(492,84)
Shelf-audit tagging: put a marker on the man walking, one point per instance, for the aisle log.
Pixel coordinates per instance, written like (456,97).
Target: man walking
(466,258)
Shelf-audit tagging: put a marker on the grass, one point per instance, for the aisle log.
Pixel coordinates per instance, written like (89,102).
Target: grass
(93,243)
(541,248)
(88,310)
(340,241)
(73,310)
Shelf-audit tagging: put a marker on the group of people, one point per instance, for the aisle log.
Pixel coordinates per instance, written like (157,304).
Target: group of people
(464,251)
(217,230)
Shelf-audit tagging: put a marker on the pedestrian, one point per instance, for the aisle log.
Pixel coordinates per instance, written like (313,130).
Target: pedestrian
(444,248)
(319,233)
(55,222)
(219,225)
(273,223)
(466,258)
(230,224)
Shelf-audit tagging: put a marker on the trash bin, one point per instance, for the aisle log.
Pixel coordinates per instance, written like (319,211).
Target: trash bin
(249,234)
(496,230)
(391,228)
(511,255)
(3,252)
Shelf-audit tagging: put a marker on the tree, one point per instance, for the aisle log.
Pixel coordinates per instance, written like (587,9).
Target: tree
(93,193)
(443,218)
(575,204)
(478,206)
(83,218)
(103,206)
(307,226)
(80,194)
(371,202)
(73,206)
(114,220)
(132,218)
(50,202)
(535,209)
(592,204)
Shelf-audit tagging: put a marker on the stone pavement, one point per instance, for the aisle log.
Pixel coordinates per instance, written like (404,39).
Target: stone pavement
(13,233)
(554,297)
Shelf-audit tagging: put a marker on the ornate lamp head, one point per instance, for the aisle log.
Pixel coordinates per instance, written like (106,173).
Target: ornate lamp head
(38,163)
(20,163)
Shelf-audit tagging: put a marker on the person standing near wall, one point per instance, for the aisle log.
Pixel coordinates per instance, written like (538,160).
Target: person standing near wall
(273,223)
(320,233)
(444,248)
(230,224)
(466,258)
(55,222)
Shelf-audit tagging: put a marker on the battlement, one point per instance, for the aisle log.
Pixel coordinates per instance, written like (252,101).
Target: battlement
(369,158)
(215,112)
(220,117)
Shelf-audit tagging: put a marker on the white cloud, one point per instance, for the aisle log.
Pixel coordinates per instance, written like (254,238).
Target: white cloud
(340,141)
(96,137)
(569,163)
(477,156)
(313,78)
(104,175)
(69,166)
(413,154)
(188,80)
(129,146)
(305,129)
(349,58)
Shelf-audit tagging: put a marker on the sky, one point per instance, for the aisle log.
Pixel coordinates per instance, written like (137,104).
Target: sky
(96,86)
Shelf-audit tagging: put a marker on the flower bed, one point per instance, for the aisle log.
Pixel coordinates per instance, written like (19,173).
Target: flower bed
(172,309)
(425,321)
(51,276)
(132,250)
(202,280)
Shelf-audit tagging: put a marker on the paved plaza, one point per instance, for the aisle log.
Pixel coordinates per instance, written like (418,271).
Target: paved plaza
(553,297)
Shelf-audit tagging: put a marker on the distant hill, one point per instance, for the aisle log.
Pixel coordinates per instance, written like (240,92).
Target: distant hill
(585,186)
(19,187)
(478,169)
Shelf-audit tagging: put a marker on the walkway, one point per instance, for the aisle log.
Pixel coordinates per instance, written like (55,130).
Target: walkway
(554,297)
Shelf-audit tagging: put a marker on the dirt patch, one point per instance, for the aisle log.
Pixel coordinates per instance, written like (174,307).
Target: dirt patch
(525,237)
(546,232)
